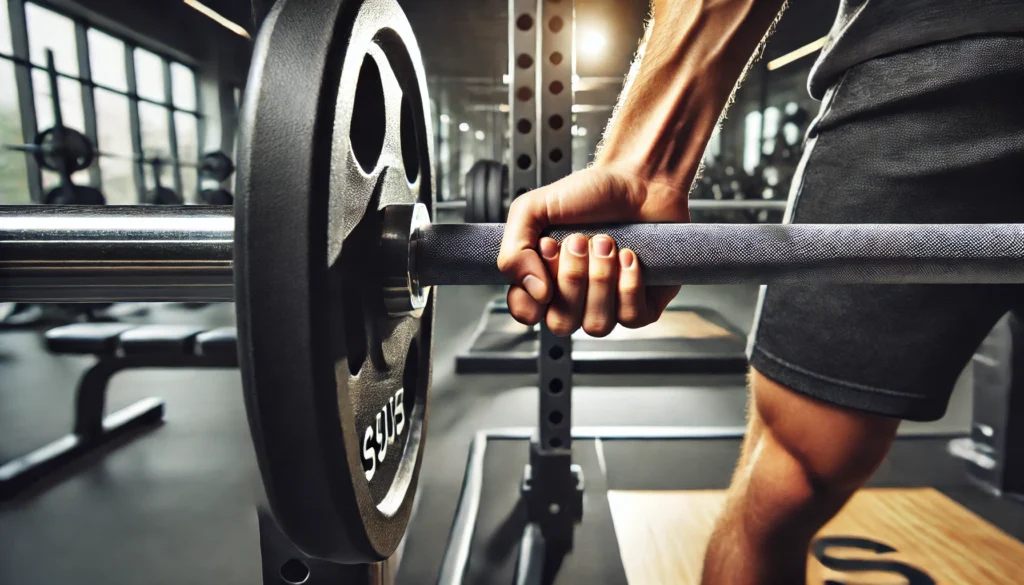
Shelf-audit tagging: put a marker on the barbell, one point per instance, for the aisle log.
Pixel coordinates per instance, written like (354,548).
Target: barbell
(330,257)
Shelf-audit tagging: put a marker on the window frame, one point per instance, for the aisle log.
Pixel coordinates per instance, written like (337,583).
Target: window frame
(23,68)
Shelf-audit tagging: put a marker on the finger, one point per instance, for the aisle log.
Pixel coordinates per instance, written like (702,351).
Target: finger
(518,260)
(523,307)
(600,317)
(632,310)
(549,252)
(521,304)
(658,299)
(566,310)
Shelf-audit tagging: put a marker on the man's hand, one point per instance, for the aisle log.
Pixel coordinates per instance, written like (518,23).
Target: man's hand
(674,95)
(585,281)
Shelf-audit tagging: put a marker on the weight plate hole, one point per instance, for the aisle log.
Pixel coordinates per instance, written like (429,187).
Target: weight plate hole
(555,442)
(294,572)
(524,94)
(556,353)
(524,126)
(410,145)
(556,87)
(555,385)
(524,61)
(555,155)
(555,417)
(555,24)
(556,122)
(524,161)
(524,22)
(556,58)
(369,123)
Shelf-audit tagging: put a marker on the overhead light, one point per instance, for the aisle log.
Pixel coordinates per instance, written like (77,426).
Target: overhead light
(218,18)
(593,43)
(574,130)
(480,135)
(445,118)
(463,127)
(506,78)
(800,53)
(581,132)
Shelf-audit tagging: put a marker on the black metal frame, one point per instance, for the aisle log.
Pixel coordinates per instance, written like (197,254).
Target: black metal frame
(534,551)
(92,430)
(26,96)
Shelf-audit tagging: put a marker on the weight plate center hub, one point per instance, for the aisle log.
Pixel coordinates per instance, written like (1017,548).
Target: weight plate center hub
(334,176)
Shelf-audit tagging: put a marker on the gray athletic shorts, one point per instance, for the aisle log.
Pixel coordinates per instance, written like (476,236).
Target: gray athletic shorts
(930,135)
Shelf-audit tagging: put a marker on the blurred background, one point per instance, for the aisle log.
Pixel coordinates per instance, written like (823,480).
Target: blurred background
(166,82)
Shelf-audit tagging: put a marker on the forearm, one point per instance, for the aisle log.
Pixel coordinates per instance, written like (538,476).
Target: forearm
(694,54)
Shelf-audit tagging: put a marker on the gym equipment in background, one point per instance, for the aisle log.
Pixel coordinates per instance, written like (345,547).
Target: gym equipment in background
(331,259)
(487,192)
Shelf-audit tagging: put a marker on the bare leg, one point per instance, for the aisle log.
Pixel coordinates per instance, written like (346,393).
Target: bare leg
(801,461)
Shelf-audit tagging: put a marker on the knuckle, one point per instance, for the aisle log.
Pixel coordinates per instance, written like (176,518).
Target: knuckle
(629,288)
(573,276)
(561,325)
(517,204)
(601,277)
(630,317)
(599,327)
(505,263)
(526,316)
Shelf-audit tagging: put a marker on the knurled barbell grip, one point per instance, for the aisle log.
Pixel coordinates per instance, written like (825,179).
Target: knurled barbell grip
(674,254)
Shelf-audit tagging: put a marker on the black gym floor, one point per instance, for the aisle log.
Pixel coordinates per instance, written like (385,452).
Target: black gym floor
(175,505)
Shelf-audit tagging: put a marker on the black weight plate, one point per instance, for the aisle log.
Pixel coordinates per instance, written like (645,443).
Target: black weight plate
(476,191)
(216,166)
(75,148)
(164,196)
(217,197)
(76,195)
(497,190)
(474,195)
(323,148)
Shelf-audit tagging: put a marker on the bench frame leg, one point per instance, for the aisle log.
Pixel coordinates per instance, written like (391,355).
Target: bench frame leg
(92,430)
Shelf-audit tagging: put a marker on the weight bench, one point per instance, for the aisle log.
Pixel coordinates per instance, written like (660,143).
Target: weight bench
(117,347)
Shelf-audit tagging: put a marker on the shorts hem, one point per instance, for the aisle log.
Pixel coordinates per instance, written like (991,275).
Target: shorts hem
(867,399)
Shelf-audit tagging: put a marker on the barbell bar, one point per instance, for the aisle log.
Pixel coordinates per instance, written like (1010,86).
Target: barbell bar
(184,253)
(694,205)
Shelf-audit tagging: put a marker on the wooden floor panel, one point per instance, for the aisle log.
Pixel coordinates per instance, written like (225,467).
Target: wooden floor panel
(923,536)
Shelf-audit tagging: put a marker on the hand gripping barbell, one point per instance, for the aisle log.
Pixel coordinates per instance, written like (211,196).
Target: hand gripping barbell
(330,256)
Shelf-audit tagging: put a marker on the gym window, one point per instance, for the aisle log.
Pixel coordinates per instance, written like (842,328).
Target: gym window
(127,99)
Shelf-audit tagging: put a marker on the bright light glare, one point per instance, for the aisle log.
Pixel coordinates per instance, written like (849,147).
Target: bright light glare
(463,127)
(480,135)
(593,43)
(581,132)
(445,118)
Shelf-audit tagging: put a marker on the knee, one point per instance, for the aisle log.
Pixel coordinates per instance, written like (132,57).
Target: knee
(818,449)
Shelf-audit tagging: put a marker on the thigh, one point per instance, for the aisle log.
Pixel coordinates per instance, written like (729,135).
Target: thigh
(917,137)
